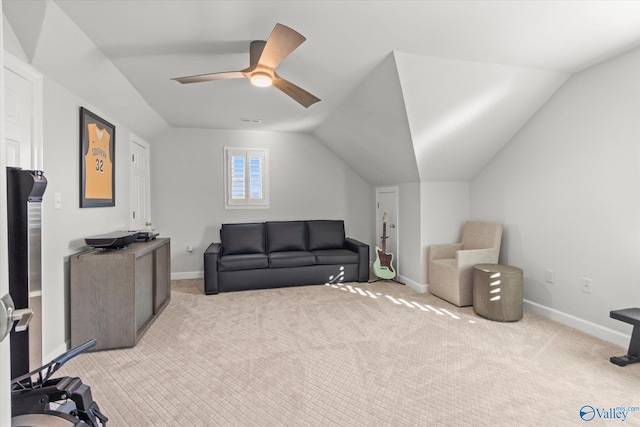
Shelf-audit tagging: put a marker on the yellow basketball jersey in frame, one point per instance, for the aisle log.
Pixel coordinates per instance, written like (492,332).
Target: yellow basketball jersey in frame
(99,165)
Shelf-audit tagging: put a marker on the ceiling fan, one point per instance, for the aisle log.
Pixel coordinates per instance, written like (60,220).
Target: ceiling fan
(264,57)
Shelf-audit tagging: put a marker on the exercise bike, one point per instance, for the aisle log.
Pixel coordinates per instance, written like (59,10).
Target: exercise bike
(39,400)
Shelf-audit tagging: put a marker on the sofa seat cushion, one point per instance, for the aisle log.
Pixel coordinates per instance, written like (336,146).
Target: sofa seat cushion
(336,256)
(243,262)
(291,259)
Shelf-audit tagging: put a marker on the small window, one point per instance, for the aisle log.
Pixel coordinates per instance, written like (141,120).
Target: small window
(246,178)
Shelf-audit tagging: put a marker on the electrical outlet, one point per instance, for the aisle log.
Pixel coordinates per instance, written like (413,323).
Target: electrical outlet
(549,276)
(586,285)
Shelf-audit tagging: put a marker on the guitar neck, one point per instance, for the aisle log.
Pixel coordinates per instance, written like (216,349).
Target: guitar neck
(384,237)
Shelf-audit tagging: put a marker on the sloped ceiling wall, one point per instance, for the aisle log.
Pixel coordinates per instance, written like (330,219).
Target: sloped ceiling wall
(370,131)
(56,46)
(462,113)
(31,17)
(425,119)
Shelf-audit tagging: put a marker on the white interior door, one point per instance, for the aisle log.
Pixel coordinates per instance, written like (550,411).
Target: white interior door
(22,114)
(17,120)
(140,185)
(387,201)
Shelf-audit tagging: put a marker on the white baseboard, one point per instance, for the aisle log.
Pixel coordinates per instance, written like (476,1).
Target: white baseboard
(418,287)
(586,326)
(187,275)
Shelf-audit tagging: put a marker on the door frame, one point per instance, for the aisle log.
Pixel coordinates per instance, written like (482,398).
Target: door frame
(396,190)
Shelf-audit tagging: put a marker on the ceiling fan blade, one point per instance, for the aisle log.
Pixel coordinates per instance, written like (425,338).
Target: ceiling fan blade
(210,76)
(255,50)
(282,41)
(303,97)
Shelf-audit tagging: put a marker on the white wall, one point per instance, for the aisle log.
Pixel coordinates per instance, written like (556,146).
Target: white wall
(567,188)
(64,229)
(409,260)
(444,207)
(307,181)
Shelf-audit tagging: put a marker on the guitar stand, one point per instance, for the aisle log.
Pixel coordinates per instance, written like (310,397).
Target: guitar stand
(385,280)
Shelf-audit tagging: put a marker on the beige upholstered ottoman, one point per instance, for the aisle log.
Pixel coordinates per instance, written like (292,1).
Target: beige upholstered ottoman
(497,292)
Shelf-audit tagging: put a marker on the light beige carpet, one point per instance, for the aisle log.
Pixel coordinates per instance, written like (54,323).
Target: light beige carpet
(353,355)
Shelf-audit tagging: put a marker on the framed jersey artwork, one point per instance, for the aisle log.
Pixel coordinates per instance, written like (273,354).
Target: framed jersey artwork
(97,161)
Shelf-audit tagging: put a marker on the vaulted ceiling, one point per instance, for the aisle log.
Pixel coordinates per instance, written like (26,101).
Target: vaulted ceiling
(411,90)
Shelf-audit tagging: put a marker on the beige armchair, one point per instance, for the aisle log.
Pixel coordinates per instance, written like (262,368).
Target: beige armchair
(451,265)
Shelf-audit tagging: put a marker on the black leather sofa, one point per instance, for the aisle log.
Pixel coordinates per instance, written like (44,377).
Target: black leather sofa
(283,253)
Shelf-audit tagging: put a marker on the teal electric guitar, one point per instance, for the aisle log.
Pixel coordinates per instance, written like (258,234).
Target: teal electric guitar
(383,265)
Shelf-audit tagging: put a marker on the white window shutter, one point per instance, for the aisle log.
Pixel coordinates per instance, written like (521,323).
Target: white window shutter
(256,185)
(246,178)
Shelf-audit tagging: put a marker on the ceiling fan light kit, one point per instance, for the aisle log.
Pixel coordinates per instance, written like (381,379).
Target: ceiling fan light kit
(261,79)
(264,57)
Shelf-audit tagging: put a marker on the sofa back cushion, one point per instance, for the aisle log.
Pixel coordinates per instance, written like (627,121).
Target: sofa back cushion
(245,238)
(325,234)
(286,236)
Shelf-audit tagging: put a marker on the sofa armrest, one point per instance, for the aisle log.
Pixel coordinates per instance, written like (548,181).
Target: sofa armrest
(443,251)
(363,257)
(211,268)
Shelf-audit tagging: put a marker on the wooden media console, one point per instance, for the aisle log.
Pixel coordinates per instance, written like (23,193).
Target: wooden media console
(117,294)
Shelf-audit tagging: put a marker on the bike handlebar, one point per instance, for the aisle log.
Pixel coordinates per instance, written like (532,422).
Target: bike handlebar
(65,357)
